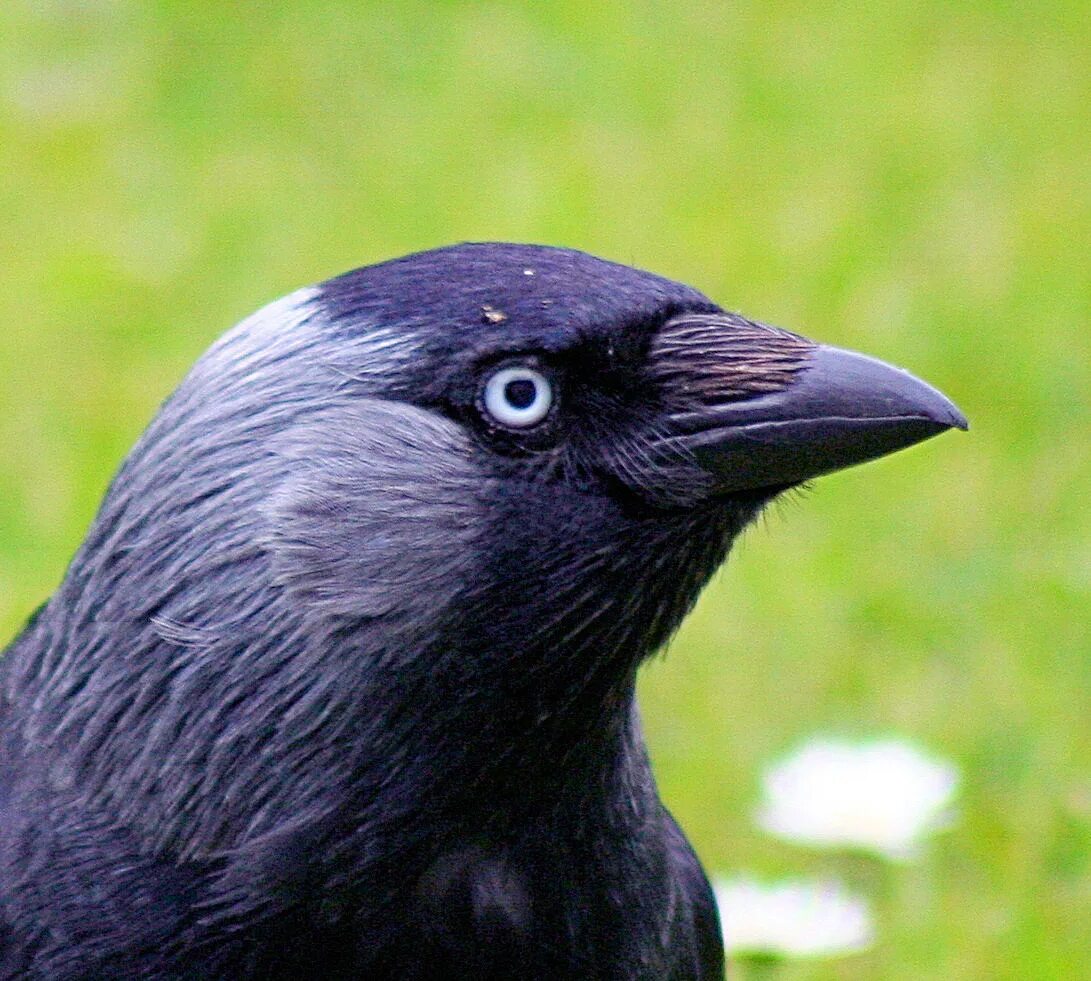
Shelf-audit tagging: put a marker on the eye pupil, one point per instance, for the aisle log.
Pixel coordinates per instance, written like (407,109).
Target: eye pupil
(520,393)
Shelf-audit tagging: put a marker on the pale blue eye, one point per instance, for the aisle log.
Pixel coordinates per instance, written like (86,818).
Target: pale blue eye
(518,396)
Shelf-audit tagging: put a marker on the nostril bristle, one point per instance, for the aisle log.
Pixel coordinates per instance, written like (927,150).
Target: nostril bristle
(705,359)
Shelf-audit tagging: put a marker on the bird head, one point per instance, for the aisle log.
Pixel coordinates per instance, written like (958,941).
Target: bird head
(603,433)
(437,509)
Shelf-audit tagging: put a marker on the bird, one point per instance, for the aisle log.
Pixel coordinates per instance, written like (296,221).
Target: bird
(340,683)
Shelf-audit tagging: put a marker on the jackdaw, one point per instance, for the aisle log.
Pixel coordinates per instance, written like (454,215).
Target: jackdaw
(340,684)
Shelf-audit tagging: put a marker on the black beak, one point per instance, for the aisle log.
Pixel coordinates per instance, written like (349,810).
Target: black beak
(841,408)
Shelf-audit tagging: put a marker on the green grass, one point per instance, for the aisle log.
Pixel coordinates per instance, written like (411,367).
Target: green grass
(908,179)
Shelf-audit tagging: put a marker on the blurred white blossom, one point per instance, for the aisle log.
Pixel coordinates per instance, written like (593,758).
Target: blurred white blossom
(791,919)
(882,796)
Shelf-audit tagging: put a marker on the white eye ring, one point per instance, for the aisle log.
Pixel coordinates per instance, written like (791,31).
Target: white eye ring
(518,396)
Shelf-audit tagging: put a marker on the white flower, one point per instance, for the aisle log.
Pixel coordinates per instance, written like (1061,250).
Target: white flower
(882,796)
(791,919)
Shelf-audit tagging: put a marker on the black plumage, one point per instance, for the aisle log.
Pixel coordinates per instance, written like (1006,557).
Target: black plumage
(340,683)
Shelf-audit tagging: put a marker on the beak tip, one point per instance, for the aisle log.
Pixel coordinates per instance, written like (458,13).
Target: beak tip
(952,417)
(949,415)
(874,385)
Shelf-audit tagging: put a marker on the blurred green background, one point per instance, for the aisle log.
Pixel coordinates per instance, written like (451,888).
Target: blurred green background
(909,179)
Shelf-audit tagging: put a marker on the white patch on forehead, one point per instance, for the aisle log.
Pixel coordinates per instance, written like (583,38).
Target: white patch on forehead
(275,329)
(380,352)
(281,316)
(297,327)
